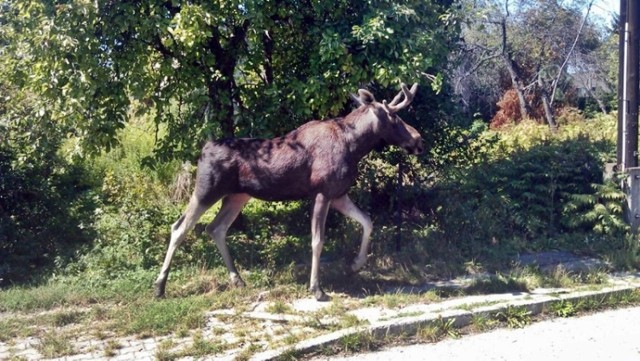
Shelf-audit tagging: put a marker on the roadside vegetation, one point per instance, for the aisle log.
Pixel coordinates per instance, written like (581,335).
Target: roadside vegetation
(102,116)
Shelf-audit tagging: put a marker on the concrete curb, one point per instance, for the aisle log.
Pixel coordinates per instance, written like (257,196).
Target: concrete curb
(535,304)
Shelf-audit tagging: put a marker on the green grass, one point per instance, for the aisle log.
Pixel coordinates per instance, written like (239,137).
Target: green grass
(202,347)
(15,327)
(472,306)
(64,318)
(76,291)
(514,317)
(54,344)
(246,353)
(399,299)
(358,342)
(150,318)
(43,297)
(126,306)
(111,348)
(279,307)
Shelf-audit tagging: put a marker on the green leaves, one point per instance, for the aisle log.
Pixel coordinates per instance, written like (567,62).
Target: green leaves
(210,69)
(602,210)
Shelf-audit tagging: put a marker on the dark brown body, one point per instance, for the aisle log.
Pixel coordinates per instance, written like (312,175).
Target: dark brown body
(315,158)
(318,160)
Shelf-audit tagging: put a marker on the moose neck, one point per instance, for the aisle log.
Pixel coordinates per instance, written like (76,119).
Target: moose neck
(362,132)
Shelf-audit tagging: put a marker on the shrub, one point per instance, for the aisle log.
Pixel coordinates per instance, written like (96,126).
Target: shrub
(45,214)
(532,190)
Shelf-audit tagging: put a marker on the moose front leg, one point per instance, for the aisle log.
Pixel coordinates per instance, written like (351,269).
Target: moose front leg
(345,206)
(318,220)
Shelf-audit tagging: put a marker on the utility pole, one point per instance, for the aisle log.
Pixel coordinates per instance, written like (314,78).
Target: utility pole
(622,35)
(632,55)
(628,163)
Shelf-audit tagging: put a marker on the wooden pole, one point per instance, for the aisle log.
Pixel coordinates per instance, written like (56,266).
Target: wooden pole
(622,31)
(631,88)
(630,151)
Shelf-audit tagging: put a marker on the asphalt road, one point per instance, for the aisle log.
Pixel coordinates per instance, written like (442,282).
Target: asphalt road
(609,335)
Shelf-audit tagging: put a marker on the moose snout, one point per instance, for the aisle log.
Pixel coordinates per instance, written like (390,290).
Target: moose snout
(417,147)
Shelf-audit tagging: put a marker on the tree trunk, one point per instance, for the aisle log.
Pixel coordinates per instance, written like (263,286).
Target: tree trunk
(221,98)
(516,79)
(546,104)
(518,86)
(601,105)
(222,91)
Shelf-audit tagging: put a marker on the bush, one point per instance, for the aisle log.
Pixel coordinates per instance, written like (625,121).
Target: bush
(45,215)
(526,189)
(478,195)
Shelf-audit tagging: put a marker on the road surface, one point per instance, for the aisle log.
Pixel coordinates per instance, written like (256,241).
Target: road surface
(604,336)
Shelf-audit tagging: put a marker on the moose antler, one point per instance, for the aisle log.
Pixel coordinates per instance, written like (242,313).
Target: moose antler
(394,107)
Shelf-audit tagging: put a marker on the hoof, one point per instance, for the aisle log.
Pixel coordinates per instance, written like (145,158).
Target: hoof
(357,266)
(237,282)
(159,289)
(320,295)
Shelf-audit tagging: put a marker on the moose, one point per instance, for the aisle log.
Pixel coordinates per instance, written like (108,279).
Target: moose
(318,160)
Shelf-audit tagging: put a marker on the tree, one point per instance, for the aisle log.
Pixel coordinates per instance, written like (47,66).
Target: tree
(531,43)
(211,68)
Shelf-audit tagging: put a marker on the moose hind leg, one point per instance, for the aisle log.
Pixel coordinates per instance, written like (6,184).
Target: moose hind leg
(345,206)
(231,207)
(179,230)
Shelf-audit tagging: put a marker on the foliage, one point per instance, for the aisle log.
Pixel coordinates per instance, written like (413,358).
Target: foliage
(551,51)
(515,317)
(129,82)
(203,69)
(520,189)
(132,220)
(146,82)
(45,211)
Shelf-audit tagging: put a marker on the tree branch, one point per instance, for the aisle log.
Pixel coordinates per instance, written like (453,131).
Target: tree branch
(566,60)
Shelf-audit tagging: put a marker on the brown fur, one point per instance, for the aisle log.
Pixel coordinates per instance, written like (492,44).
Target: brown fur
(318,160)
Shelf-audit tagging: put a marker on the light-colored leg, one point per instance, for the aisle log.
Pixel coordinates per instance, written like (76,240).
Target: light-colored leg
(345,206)
(318,220)
(178,231)
(231,207)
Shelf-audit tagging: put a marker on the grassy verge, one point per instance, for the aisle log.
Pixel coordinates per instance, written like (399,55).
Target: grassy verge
(125,307)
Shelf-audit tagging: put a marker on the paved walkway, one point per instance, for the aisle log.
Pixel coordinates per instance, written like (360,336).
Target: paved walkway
(305,326)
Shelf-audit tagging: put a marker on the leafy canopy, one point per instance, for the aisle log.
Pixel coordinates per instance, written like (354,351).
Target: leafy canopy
(210,68)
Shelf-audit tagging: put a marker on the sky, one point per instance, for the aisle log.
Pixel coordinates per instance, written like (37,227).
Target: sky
(606,8)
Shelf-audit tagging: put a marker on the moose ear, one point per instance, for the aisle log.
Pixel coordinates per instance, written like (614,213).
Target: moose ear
(365,97)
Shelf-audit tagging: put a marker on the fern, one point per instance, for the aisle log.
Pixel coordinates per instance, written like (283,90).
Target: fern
(601,211)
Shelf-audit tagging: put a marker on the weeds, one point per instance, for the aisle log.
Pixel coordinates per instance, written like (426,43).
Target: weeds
(348,320)
(54,344)
(247,352)
(65,318)
(150,317)
(515,317)
(13,327)
(111,347)
(202,347)
(438,329)
(497,284)
(358,342)
(399,298)
(481,323)
(564,308)
(279,307)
